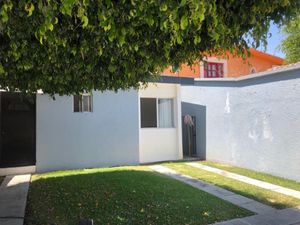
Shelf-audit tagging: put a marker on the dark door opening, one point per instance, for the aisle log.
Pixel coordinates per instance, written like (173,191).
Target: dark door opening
(189,136)
(18,118)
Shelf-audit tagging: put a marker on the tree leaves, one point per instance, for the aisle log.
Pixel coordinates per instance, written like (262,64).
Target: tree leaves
(163,7)
(70,46)
(4,10)
(82,16)
(67,6)
(29,8)
(184,22)
(291,44)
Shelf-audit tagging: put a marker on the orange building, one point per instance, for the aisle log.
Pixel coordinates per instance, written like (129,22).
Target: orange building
(216,67)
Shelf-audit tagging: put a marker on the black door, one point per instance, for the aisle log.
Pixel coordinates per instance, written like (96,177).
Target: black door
(17,141)
(189,137)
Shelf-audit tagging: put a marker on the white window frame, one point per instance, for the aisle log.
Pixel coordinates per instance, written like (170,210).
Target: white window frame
(81,102)
(213,60)
(157,114)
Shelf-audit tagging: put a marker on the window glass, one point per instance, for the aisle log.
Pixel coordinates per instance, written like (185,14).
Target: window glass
(212,69)
(82,103)
(148,112)
(86,103)
(165,113)
(76,103)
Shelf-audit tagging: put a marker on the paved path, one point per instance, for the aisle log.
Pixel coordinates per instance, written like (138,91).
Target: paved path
(13,196)
(289,216)
(266,215)
(226,195)
(248,180)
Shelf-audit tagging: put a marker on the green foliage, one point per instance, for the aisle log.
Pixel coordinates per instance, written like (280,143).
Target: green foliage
(69,46)
(291,45)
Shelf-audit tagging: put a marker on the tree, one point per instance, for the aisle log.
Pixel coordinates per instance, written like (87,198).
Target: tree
(291,44)
(71,46)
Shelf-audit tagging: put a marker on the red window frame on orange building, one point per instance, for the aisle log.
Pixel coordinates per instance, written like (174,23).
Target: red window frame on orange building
(213,70)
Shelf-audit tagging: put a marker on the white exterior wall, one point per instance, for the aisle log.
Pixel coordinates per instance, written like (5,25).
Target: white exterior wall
(160,144)
(107,136)
(253,124)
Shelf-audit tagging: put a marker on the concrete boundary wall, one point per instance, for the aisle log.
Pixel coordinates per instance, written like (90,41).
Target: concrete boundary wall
(252,123)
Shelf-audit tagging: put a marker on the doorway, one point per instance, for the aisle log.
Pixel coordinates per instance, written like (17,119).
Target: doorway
(18,130)
(189,136)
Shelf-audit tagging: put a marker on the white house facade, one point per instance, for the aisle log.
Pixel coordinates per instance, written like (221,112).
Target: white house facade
(96,130)
(163,140)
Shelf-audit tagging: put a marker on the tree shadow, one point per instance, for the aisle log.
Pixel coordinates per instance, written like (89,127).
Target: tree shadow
(121,197)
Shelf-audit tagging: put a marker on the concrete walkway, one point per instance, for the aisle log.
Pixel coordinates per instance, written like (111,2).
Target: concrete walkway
(266,215)
(279,217)
(13,196)
(248,180)
(226,195)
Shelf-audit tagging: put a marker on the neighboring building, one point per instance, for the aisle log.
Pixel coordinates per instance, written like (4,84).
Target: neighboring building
(217,67)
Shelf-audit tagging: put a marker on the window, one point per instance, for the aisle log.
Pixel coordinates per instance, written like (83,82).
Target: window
(165,113)
(148,112)
(212,70)
(83,103)
(157,113)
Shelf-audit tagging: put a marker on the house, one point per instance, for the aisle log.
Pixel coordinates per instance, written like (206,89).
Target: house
(91,130)
(230,66)
(250,121)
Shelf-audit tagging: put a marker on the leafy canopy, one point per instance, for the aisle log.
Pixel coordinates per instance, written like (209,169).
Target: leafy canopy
(70,46)
(291,44)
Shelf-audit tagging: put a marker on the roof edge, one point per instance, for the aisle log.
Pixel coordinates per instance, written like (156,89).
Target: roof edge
(252,76)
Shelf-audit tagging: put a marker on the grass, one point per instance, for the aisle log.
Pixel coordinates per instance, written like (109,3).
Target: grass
(255,175)
(121,195)
(271,198)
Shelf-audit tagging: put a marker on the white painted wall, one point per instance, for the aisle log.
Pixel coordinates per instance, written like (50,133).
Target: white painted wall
(253,124)
(107,136)
(159,144)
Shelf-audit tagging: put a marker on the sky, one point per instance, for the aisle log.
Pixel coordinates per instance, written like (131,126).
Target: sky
(274,41)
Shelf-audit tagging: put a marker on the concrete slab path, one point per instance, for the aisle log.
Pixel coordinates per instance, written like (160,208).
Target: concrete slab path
(266,215)
(248,180)
(289,216)
(13,196)
(226,195)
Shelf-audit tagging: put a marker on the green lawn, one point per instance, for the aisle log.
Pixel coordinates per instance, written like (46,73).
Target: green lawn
(121,195)
(262,195)
(256,175)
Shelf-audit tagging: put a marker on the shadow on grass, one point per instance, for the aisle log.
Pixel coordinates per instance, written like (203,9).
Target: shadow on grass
(121,197)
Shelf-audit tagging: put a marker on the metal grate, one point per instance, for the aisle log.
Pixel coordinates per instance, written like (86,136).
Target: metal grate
(189,139)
